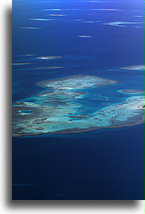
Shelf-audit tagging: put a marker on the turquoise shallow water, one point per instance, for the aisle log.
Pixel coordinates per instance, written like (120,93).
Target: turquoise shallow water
(79,38)
(70,105)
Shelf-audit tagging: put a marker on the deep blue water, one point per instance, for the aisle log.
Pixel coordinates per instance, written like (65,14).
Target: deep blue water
(105,164)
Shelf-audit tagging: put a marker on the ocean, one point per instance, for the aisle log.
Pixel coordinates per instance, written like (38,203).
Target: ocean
(55,40)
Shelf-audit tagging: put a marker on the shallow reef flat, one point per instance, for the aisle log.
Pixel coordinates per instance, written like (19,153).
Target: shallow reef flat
(123,24)
(49,57)
(131,91)
(61,95)
(30,28)
(22,63)
(48,67)
(134,68)
(84,36)
(58,108)
(76,82)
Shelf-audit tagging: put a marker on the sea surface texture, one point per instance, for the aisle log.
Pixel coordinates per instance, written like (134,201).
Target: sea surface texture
(78,100)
